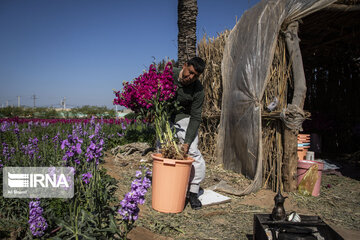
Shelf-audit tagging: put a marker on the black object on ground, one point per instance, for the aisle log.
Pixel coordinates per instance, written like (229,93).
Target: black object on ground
(309,228)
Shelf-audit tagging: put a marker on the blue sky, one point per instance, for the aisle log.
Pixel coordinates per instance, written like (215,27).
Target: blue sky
(82,49)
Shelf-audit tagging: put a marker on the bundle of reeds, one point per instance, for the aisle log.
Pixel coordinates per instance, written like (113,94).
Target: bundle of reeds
(211,50)
(272,130)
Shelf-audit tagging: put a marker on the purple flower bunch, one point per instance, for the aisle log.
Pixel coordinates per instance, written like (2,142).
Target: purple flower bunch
(86,177)
(28,129)
(31,148)
(56,140)
(97,129)
(72,146)
(129,209)
(78,129)
(37,222)
(16,129)
(148,87)
(7,153)
(44,124)
(4,126)
(94,150)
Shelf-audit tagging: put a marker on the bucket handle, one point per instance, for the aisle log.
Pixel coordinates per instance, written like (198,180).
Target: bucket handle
(169,162)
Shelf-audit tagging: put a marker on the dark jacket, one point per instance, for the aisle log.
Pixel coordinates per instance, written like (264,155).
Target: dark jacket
(190,98)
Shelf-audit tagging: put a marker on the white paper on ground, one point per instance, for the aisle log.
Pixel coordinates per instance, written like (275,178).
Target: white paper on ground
(209,197)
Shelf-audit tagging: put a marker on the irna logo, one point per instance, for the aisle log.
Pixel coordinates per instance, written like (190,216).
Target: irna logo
(16,180)
(38,182)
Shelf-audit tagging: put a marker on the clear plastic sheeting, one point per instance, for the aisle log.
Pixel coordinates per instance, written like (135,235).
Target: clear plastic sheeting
(246,63)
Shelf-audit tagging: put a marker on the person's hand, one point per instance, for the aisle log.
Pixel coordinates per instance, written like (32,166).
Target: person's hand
(185,149)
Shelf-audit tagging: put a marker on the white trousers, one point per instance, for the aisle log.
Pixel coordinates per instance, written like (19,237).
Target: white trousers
(197,174)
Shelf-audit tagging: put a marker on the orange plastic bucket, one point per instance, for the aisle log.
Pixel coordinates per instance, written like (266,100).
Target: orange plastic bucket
(169,183)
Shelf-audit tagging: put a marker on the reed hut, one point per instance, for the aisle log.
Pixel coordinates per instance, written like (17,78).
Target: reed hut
(266,75)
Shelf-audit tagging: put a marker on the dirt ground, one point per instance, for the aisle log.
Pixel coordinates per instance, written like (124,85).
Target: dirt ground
(338,205)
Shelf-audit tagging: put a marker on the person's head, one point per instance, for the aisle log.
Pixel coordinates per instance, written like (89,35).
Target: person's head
(192,69)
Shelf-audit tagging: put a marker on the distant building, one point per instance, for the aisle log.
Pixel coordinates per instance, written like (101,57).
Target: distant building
(62,109)
(123,112)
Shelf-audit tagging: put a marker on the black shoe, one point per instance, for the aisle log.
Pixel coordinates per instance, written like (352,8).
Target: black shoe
(194,201)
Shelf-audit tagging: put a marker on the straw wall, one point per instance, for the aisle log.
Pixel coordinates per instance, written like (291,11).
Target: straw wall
(211,50)
(272,127)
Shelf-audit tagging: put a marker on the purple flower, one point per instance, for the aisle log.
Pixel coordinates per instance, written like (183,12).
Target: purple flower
(34,141)
(129,205)
(7,152)
(55,139)
(31,149)
(92,121)
(69,154)
(72,147)
(4,126)
(86,177)
(44,124)
(94,150)
(78,148)
(37,222)
(92,146)
(97,129)
(16,129)
(138,174)
(64,143)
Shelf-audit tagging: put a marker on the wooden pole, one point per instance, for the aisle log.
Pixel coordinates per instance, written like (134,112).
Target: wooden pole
(289,167)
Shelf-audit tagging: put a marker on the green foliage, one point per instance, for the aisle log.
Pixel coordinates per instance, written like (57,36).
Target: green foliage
(131,115)
(43,112)
(12,111)
(90,214)
(140,133)
(135,132)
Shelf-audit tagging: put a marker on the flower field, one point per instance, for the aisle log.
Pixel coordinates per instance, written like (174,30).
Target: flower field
(79,144)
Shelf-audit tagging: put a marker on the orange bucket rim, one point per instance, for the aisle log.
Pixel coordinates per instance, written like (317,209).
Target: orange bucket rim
(158,156)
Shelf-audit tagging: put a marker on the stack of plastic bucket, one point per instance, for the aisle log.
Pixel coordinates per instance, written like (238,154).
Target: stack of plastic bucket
(303,145)
(304,164)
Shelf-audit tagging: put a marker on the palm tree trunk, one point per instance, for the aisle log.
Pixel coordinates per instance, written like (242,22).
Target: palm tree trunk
(187,14)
